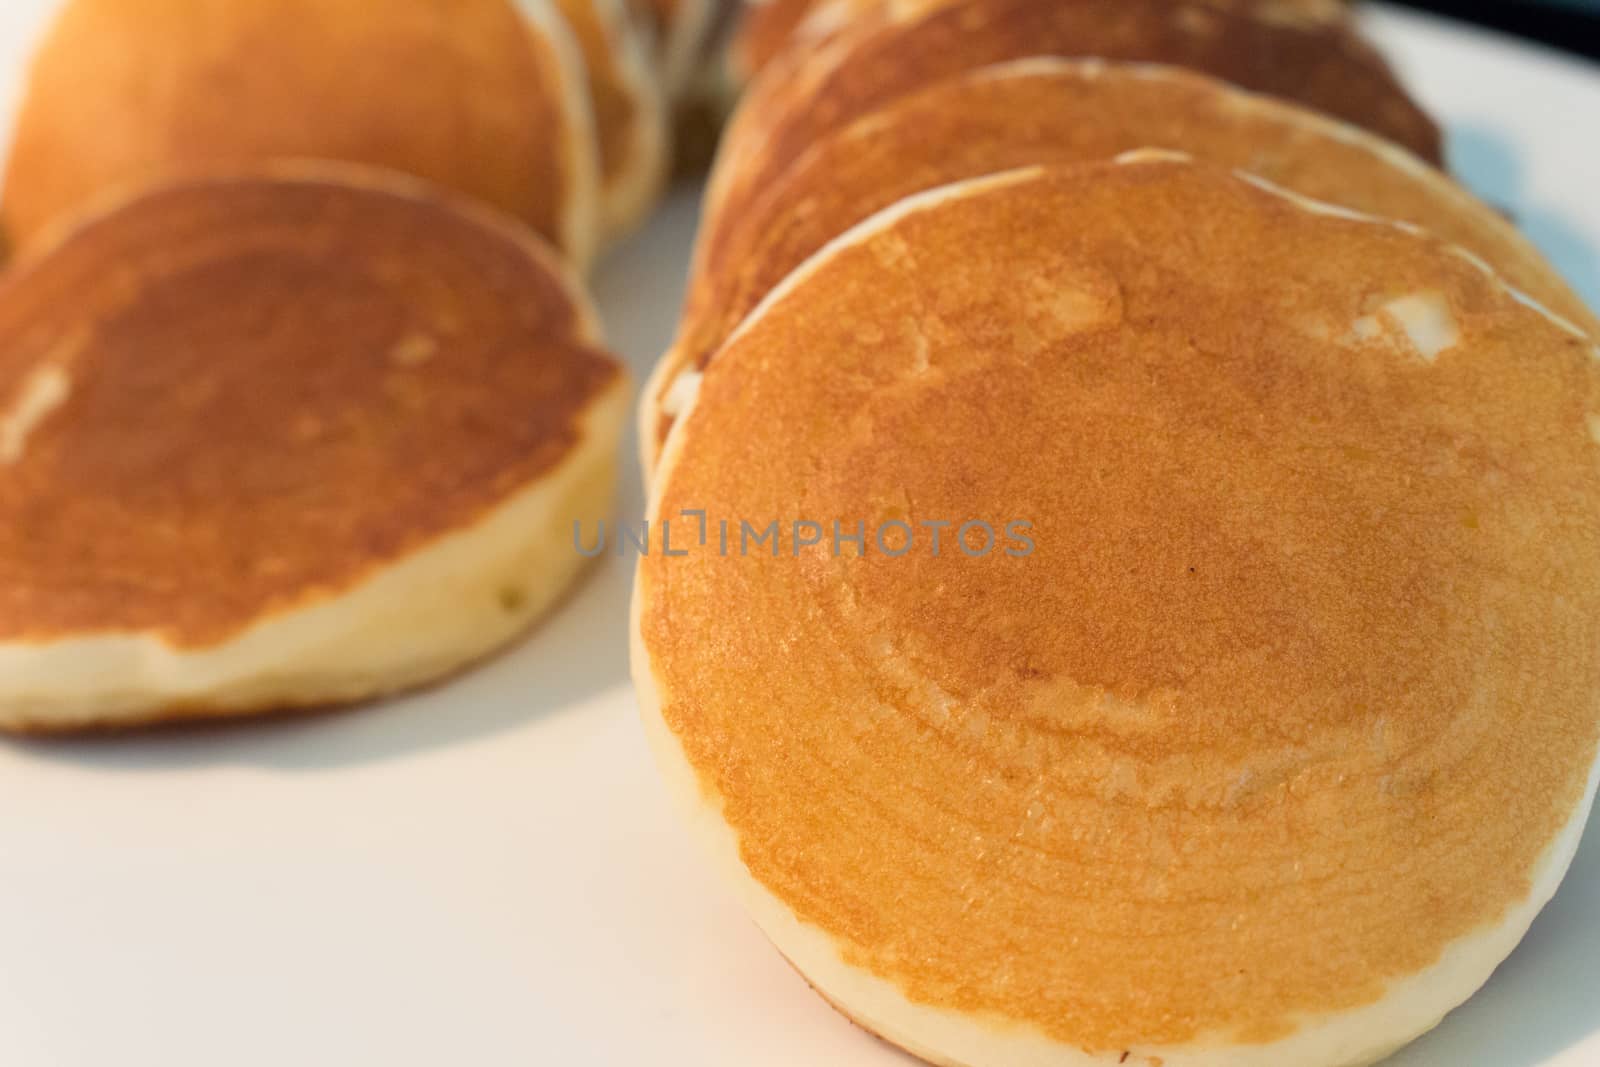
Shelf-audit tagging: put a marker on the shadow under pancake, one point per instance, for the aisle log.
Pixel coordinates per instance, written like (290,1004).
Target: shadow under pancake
(1488,165)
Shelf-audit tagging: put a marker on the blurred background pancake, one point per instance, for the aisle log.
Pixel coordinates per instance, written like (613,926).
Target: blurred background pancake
(772,26)
(1271,747)
(630,110)
(890,50)
(1052,111)
(767,29)
(303,435)
(681,27)
(483,96)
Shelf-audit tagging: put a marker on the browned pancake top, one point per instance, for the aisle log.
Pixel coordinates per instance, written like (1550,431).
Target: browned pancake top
(1049,111)
(247,394)
(458,91)
(1299,681)
(1325,66)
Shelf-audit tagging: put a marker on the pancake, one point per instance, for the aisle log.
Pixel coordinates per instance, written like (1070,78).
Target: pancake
(629,110)
(285,440)
(771,26)
(1261,745)
(905,47)
(469,94)
(706,93)
(1054,111)
(682,27)
(767,28)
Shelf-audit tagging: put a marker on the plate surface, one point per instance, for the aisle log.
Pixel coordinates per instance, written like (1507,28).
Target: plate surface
(488,874)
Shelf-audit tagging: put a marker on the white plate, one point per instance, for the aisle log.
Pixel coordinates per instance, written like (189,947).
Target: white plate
(487,875)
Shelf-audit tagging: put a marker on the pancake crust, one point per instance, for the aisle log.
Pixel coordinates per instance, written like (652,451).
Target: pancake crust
(1054,111)
(1327,67)
(465,93)
(266,391)
(1297,692)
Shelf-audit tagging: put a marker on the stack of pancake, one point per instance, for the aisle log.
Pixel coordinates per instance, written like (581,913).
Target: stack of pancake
(300,392)
(1171,630)
(895,98)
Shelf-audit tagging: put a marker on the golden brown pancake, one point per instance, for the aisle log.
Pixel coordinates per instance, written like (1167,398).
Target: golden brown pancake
(471,94)
(767,28)
(680,28)
(629,111)
(770,26)
(902,48)
(1055,111)
(285,439)
(1265,739)
(705,89)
